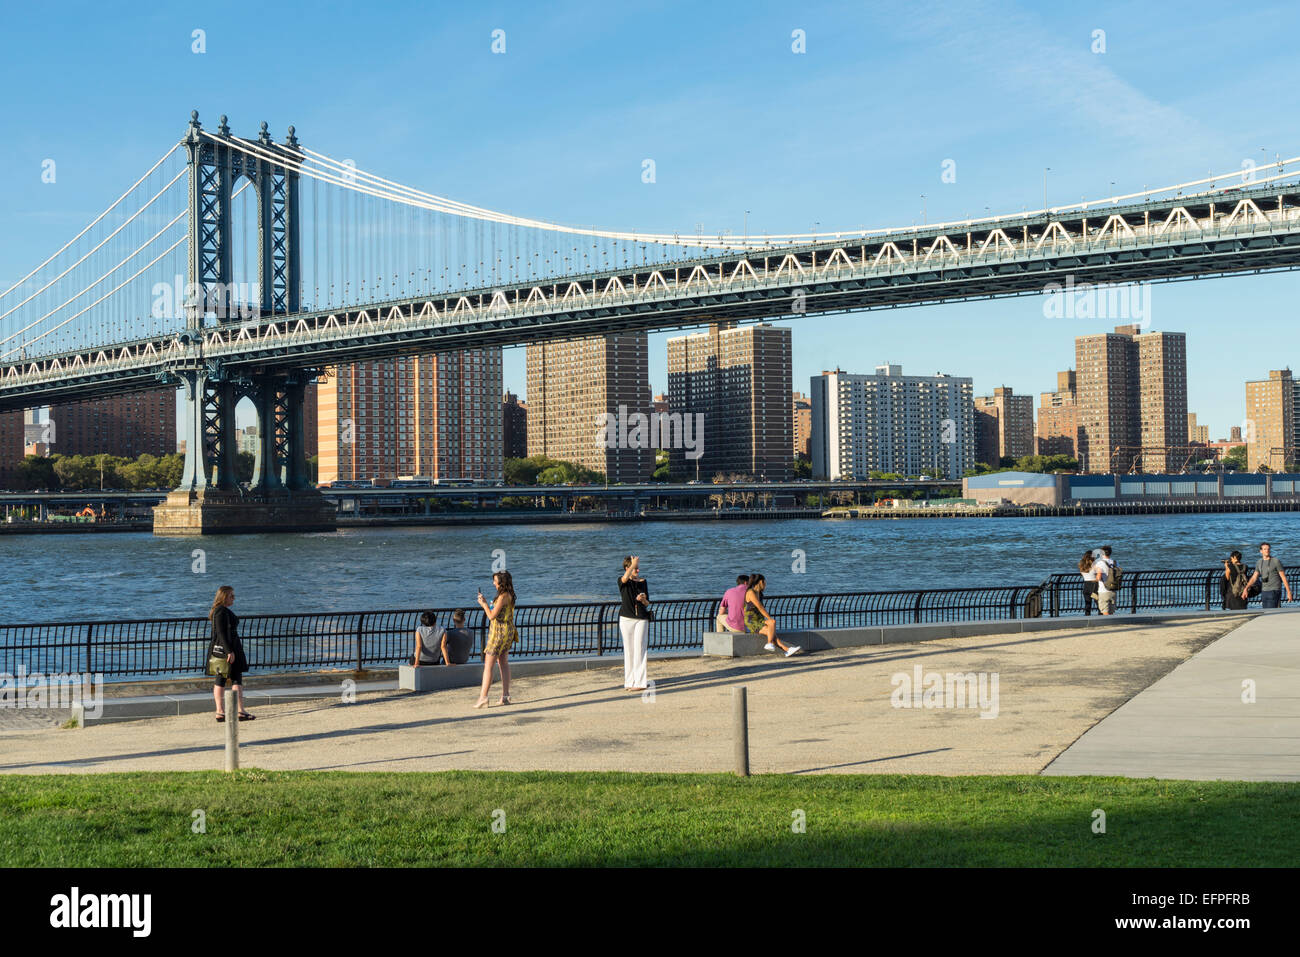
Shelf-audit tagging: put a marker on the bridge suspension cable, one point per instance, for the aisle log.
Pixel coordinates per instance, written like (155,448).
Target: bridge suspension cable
(92,250)
(106,275)
(67,302)
(93,223)
(346,175)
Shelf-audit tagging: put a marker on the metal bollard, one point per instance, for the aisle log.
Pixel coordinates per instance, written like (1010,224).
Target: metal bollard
(740,726)
(232,731)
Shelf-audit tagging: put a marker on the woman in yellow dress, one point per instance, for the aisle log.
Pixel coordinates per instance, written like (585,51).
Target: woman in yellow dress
(501,635)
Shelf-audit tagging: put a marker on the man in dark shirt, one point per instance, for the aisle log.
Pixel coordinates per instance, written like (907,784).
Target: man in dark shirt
(456,640)
(1271,577)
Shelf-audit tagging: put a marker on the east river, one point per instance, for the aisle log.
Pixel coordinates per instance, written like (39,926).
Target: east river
(105,576)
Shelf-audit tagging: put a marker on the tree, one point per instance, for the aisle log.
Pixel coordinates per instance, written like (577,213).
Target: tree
(75,472)
(540,470)
(524,471)
(36,471)
(1047,463)
(1236,458)
(555,475)
(106,470)
(170,470)
(802,468)
(661,466)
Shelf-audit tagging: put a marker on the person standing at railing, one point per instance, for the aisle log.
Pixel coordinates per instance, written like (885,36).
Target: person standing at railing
(501,635)
(225,643)
(634,618)
(1271,577)
(1089,581)
(759,622)
(1101,570)
(1234,583)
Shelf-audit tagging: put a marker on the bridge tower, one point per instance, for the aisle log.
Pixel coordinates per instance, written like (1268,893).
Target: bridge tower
(210,498)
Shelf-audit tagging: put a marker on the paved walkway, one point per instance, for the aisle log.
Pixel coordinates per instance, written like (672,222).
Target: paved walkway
(1195,723)
(829,712)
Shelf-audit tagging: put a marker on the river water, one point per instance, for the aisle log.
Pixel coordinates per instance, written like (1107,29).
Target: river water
(104,576)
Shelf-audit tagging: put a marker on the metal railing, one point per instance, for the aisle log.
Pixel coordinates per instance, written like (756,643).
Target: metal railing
(1198,588)
(357,640)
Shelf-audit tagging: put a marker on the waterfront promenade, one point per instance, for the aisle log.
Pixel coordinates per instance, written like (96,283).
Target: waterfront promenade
(825,713)
(1230,712)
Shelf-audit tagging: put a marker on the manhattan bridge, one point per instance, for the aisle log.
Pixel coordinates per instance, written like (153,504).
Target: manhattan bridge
(242,268)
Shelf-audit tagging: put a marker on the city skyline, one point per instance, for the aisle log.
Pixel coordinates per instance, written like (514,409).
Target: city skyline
(1056,142)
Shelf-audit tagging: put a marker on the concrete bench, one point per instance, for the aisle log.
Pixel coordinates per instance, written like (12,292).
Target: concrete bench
(435,677)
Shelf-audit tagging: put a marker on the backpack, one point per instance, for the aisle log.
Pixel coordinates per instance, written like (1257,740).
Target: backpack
(1237,583)
(1113,577)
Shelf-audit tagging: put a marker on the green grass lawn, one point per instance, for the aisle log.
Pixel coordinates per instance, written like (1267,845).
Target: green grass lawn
(261,818)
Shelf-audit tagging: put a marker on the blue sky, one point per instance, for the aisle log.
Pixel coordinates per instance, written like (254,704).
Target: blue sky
(851,133)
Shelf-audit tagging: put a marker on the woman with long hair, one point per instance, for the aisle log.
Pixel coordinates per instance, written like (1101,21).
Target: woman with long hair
(501,635)
(225,643)
(759,622)
(1089,581)
(634,623)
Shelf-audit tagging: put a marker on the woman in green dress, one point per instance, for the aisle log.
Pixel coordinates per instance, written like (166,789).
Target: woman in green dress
(501,635)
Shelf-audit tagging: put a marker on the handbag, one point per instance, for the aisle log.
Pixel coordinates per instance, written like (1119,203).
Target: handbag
(218,665)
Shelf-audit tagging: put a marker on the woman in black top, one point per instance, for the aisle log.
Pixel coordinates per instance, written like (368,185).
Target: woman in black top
(634,623)
(1233,585)
(1089,581)
(226,644)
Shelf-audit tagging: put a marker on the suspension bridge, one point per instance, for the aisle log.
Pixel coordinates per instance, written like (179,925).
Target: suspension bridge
(244,267)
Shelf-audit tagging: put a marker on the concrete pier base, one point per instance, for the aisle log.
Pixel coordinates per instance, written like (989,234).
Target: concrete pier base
(221,512)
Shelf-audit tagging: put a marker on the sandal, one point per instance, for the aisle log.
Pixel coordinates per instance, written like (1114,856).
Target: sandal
(245,716)
(504,701)
(483,703)
(221,718)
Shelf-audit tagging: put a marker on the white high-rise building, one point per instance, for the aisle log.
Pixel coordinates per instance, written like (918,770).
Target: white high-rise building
(889,422)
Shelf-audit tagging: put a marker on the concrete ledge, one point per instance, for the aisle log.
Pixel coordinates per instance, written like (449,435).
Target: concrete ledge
(729,645)
(432,678)
(440,677)
(168,706)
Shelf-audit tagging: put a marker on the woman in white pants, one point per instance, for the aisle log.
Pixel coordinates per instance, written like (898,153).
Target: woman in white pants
(634,623)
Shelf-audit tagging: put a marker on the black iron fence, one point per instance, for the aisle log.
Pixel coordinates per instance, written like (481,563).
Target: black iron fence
(1193,588)
(357,640)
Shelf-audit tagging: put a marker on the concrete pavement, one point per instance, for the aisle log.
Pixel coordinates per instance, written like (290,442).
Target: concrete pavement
(834,712)
(1231,712)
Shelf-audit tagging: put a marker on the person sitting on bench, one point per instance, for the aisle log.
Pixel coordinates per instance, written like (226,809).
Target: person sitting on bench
(457,640)
(428,640)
